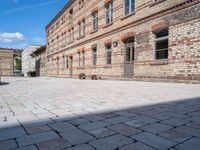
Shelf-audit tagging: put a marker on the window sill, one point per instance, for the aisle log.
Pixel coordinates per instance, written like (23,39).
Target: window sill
(159,62)
(81,37)
(108,66)
(155,3)
(80,68)
(93,31)
(107,25)
(129,15)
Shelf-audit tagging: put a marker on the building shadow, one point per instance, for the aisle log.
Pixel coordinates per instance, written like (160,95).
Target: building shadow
(181,116)
(4,83)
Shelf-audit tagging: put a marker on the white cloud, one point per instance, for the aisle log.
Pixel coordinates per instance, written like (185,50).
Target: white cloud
(11,37)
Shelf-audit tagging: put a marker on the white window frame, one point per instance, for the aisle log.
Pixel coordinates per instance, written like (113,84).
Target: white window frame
(109,12)
(130,7)
(154,45)
(95,20)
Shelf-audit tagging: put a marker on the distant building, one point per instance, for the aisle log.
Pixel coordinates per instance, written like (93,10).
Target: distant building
(10,61)
(40,59)
(28,62)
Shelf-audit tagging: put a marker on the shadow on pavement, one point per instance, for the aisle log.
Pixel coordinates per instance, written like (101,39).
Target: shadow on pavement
(161,126)
(4,83)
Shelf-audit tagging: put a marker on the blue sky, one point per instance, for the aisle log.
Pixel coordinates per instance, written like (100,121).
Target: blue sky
(23,21)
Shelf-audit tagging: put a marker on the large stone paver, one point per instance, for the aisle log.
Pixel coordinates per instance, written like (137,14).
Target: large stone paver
(11,133)
(55,144)
(45,113)
(6,145)
(154,140)
(77,136)
(111,142)
(36,138)
(192,144)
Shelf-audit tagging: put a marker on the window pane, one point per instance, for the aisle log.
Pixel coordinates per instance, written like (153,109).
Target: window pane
(133,53)
(128,54)
(163,44)
(162,54)
(132,5)
(109,57)
(162,33)
(94,56)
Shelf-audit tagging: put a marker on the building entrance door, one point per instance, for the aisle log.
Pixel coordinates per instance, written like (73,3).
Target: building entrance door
(71,66)
(129,56)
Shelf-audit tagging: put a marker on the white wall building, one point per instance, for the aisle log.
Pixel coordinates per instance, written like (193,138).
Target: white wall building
(28,62)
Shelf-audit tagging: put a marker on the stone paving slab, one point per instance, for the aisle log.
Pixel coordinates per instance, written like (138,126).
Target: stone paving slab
(9,144)
(136,146)
(124,129)
(32,147)
(55,144)
(81,147)
(36,138)
(192,144)
(87,115)
(110,143)
(11,133)
(102,132)
(76,137)
(154,140)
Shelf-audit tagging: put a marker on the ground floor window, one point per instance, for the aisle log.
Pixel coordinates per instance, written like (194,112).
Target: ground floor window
(109,54)
(161,44)
(94,55)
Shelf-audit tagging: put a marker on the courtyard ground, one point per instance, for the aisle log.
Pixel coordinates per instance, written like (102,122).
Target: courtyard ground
(64,114)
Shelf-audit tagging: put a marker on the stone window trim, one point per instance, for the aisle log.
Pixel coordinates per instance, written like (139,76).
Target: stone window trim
(159,26)
(155,2)
(93,46)
(107,25)
(127,16)
(94,10)
(159,62)
(106,2)
(127,36)
(108,42)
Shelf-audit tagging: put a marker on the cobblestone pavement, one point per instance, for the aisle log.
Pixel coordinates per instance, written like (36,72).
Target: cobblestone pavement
(63,114)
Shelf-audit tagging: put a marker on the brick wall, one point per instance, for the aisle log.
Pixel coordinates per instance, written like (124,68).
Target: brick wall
(180,16)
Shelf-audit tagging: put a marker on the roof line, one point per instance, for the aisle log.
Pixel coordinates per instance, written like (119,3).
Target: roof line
(60,13)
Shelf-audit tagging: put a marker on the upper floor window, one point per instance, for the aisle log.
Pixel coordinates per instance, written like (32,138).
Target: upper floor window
(81,28)
(81,4)
(161,44)
(109,12)
(109,54)
(129,6)
(95,20)
(71,15)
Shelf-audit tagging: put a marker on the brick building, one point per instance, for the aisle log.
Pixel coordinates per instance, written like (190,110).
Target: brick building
(8,58)
(125,39)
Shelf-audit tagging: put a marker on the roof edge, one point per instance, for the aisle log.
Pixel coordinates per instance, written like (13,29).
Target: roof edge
(59,13)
